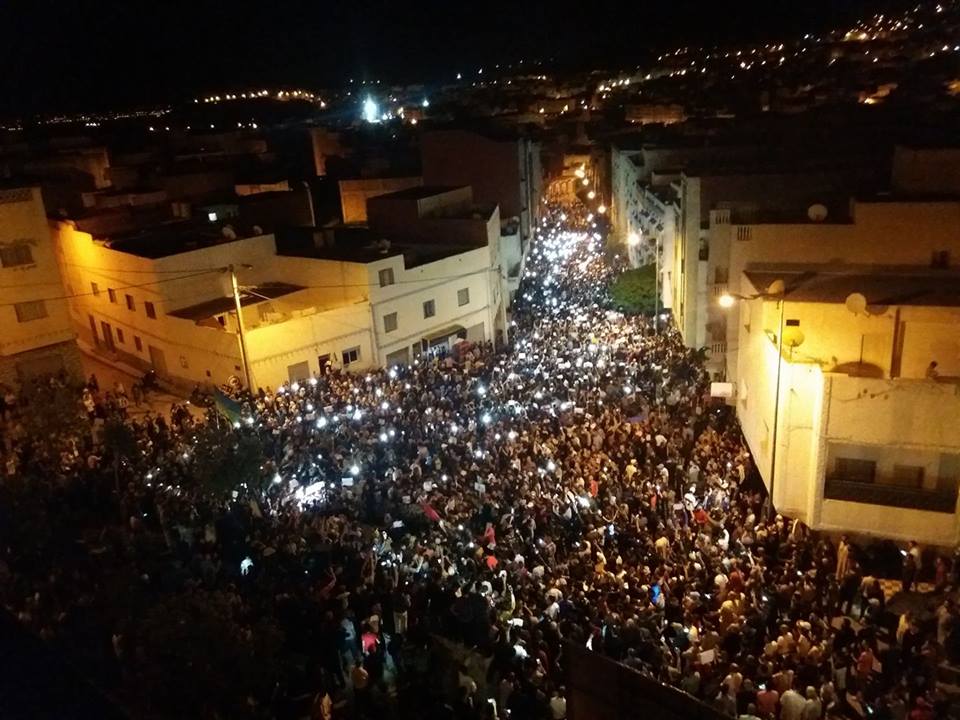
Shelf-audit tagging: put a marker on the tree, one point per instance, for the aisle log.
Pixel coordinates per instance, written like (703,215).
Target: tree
(634,291)
(228,460)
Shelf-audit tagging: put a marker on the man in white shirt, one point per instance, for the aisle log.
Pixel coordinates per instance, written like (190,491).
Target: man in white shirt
(792,705)
(558,704)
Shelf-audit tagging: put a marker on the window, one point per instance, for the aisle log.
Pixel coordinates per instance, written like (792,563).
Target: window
(386,277)
(463,297)
(863,471)
(120,336)
(112,294)
(95,289)
(138,343)
(150,310)
(14,255)
(429,309)
(350,355)
(212,216)
(130,303)
(390,322)
(27,311)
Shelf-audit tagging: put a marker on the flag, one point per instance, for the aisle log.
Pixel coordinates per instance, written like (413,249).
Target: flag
(226,406)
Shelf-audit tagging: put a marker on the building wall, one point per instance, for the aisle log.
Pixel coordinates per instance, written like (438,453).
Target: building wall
(23,223)
(823,415)
(475,270)
(355,193)
(275,349)
(878,233)
(505,172)
(177,348)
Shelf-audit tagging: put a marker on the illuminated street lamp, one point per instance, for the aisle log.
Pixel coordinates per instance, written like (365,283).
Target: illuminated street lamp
(602,209)
(591,194)
(776,290)
(633,239)
(586,181)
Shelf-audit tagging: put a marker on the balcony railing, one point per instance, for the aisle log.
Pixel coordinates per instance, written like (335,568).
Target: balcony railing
(719,289)
(837,488)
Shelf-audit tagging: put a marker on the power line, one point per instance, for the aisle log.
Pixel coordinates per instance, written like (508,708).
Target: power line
(122,287)
(145,272)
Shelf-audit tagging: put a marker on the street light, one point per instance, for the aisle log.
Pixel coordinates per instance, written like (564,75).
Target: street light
(633,239)
(602,209)
(777,290)
(591,194)
(586,181)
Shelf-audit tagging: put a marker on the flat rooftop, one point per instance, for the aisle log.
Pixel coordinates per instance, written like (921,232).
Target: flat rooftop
(249,296)
(420,192)
(922,287)
(173,238)
(360,245)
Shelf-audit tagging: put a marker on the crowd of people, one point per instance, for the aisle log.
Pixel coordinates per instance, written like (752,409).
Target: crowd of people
(575,486)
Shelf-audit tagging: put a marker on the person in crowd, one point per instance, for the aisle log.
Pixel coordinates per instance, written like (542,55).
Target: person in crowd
(574,486)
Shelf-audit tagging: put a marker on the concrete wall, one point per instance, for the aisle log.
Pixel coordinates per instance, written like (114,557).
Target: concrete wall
(355,193)
(823,415)
(894,233)
(23,221)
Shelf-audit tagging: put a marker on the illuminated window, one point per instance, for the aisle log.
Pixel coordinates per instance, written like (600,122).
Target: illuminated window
(429,309)
(390,322)
(29,311)
(212,216)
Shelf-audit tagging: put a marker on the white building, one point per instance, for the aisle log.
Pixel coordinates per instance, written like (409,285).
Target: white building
(346,297)
(860,434)
(36,335)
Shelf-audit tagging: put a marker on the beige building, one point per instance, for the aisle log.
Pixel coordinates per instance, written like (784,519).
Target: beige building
(355,193)
(859,435)
(345,297)
(867,232)
(36,335)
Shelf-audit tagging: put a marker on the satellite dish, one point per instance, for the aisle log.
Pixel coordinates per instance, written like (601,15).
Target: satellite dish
(817,212)
(776,288)
(856,303)
(228,232)
(257,230)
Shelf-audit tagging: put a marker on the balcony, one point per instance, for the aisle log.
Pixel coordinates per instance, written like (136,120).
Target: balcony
(936,500)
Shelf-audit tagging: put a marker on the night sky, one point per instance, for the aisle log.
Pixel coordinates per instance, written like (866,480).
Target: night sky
(66,55)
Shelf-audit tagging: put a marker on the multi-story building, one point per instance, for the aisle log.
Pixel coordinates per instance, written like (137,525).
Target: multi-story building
(36,335)
(859,232)
(163,298)
(848,394)
(502,168)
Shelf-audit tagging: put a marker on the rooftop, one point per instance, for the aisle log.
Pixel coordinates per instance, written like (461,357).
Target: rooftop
(248,296)
(360,245)
(173,238)
(420,192)
(922,287)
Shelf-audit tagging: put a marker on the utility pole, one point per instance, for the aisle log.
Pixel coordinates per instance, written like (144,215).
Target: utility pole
(243,342)
(776,406)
